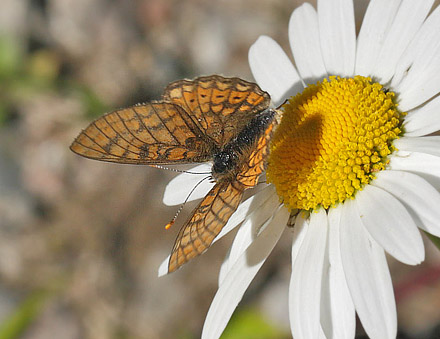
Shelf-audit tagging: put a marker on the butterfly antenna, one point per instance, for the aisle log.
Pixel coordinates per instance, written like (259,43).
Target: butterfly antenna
(171,223)
(177,170)
(279,107)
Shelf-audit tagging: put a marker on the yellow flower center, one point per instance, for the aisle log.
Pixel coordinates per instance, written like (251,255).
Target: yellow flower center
(332,139)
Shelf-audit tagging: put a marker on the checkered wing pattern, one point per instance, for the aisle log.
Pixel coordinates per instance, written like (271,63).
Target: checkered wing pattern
(254,165)
(206,222)
(221,107)
(151,133)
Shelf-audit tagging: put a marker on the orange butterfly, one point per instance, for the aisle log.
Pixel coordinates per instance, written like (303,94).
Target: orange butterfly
(212,118)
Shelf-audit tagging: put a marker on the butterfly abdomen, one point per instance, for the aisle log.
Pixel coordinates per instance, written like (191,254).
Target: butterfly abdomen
(228,159)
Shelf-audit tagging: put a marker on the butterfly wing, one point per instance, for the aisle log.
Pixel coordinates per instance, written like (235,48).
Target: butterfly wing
(151,133)
(253,162)
(206,222)
(219,106)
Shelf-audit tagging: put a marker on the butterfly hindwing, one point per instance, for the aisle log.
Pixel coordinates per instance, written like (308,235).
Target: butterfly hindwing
(206,222)
(151,133)
(254,164)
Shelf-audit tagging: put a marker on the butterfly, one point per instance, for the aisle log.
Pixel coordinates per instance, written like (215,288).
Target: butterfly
(226,121)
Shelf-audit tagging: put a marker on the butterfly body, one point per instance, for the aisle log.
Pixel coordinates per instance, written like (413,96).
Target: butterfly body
(228,159)
(212,118)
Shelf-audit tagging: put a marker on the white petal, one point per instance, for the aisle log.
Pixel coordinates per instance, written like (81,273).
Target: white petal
(429,145)
(305,283)
(367,274)
(426,37)
(338,318)
(299,233)
(243,210)
(419,82)
(273,70)
(375,25)
(407,22)
(337,36)
(390,224)
(179,187)
(246,208)
(304,41)
(420,86)
(419,163)
(423,120)
(163,268)
(416,194)
(240,276)
(321,334)
(248,232)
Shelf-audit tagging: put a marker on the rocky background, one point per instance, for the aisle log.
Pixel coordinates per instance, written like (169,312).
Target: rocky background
(81,241)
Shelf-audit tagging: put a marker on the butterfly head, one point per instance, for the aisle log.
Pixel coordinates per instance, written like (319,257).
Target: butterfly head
(224,161)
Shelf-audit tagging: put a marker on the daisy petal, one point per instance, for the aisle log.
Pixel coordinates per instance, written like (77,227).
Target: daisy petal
(246,208)
(179,187)
(304,41)
(429,145)
(420,163)
(338,318)
(240,276)
(423,120)
(248,232)
(163,268)
(407,22)
(337,36)
(273,70)
(376,23)
(305,283)
(418,85)
(426,37)
(243,210)
(299,233)
(416,194)
(390,224)
(367,274)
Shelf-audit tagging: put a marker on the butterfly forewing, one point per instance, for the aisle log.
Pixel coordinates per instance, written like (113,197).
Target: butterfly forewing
(152,133)
(206,222)
(221,107)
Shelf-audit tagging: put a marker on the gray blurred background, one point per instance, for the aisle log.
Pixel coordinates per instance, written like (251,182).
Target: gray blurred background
(80,240)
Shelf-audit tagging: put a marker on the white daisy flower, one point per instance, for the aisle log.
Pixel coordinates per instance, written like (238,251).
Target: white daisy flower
(352,154)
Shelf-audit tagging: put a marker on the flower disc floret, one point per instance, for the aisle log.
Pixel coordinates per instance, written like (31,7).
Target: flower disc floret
(332,139)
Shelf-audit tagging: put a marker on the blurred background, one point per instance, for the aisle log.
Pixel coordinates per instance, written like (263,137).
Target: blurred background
(81,241)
